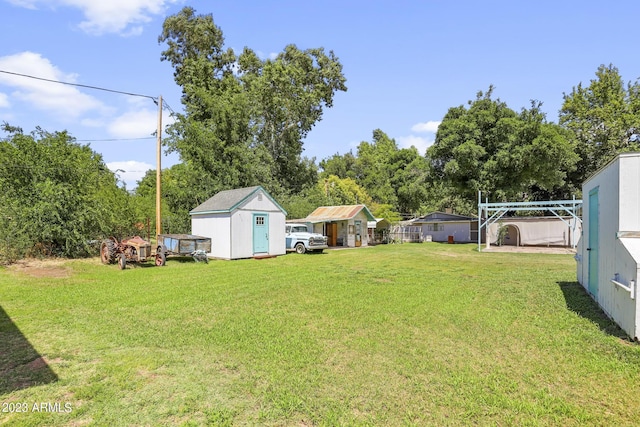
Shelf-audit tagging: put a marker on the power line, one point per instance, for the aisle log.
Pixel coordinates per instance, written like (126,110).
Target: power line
(153,98)
(114,139)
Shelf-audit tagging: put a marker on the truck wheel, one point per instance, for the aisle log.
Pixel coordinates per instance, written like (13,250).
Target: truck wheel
(300,248)
(122,262)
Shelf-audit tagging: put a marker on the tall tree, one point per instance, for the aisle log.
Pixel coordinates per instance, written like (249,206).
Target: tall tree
(491,148)
(374,167)
(605,117)
(409,180)
(245,119)
(341,165)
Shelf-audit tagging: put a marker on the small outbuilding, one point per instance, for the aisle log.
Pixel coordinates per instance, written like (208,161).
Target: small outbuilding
(447,227)
(242,223)
(378,231)
(608,254)
(343,225)
(537,231)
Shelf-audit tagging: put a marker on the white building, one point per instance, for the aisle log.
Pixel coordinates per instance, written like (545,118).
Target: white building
(242,223)
(447,227)
(608,253)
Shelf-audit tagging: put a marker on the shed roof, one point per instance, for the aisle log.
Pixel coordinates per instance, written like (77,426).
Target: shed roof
(442,217)
(338,213)
(228,200)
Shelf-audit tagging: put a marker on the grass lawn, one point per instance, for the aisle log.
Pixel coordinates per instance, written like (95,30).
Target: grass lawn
(413,334)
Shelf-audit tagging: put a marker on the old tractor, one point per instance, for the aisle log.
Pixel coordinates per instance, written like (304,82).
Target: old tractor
(132,249)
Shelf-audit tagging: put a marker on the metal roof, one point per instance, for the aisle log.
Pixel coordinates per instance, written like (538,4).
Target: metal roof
(443,217)
(228,200)
(338,213)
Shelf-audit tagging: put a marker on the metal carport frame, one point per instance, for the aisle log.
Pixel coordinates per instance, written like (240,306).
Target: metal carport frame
(492,212)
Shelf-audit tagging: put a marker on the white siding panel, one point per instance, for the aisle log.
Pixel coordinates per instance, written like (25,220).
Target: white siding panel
(261,203)
(608,197)
(619,210)
(630,189)
(623,307)
(216,227)
(461,231)
(277,239)
(242,234)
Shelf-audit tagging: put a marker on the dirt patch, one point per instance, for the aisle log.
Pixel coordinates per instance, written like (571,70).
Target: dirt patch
(41,268)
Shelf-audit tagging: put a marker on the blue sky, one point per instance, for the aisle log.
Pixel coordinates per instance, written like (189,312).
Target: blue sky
(406,62)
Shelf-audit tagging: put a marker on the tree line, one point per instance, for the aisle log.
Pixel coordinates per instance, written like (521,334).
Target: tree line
(244,122)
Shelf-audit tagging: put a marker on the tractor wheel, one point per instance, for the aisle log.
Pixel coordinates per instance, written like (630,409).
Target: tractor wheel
(122,262)
(161,259)
(108,252)
(300,249)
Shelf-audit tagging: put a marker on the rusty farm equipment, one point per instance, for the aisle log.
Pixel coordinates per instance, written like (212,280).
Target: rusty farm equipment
(132,249)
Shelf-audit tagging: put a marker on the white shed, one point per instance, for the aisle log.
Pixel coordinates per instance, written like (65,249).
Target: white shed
(242,223)
(608,253)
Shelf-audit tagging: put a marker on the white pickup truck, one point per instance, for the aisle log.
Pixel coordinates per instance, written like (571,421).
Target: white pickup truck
(300,240)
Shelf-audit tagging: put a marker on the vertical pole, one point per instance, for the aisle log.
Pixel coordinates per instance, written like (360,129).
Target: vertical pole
(479,219)
(158,169)
(486,227)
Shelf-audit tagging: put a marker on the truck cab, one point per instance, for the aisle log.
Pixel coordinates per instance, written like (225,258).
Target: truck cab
(299,239)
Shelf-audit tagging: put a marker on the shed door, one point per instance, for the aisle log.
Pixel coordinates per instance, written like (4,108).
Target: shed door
(260,233)
(593,247)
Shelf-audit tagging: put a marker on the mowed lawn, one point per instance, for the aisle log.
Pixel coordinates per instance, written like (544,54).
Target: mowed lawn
(413,334)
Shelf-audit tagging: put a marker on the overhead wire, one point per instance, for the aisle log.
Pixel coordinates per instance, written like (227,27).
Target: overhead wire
(153,98)
(165,106)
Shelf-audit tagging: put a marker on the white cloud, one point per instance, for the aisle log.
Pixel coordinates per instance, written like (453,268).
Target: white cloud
(63,100)
(125,17)
(27,4)
(130,171)
(271,55)
(430,126)
(416,141)
(139,123)
(4,100)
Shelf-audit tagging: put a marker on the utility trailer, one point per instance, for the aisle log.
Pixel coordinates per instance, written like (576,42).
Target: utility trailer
(182,244)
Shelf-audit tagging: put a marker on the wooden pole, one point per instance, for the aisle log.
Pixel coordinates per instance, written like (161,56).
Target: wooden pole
(159,169)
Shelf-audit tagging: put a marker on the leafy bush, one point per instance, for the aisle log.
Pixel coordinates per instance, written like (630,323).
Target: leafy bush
(57,196)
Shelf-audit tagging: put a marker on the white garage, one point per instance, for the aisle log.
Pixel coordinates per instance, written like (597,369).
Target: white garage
(608,253)
(242,223)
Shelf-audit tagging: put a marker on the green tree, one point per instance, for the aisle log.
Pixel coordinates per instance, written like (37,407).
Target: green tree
(329,191)
(245,118)
(374,167)
(343,166)
(183,188)
(409,180)
(605,118)
(56,196)
(510,156)
(343,191)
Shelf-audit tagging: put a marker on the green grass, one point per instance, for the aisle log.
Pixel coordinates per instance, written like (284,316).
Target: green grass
(413,334)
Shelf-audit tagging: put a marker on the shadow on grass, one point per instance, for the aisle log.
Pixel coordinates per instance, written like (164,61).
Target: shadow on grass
(20,364)
(581,303)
